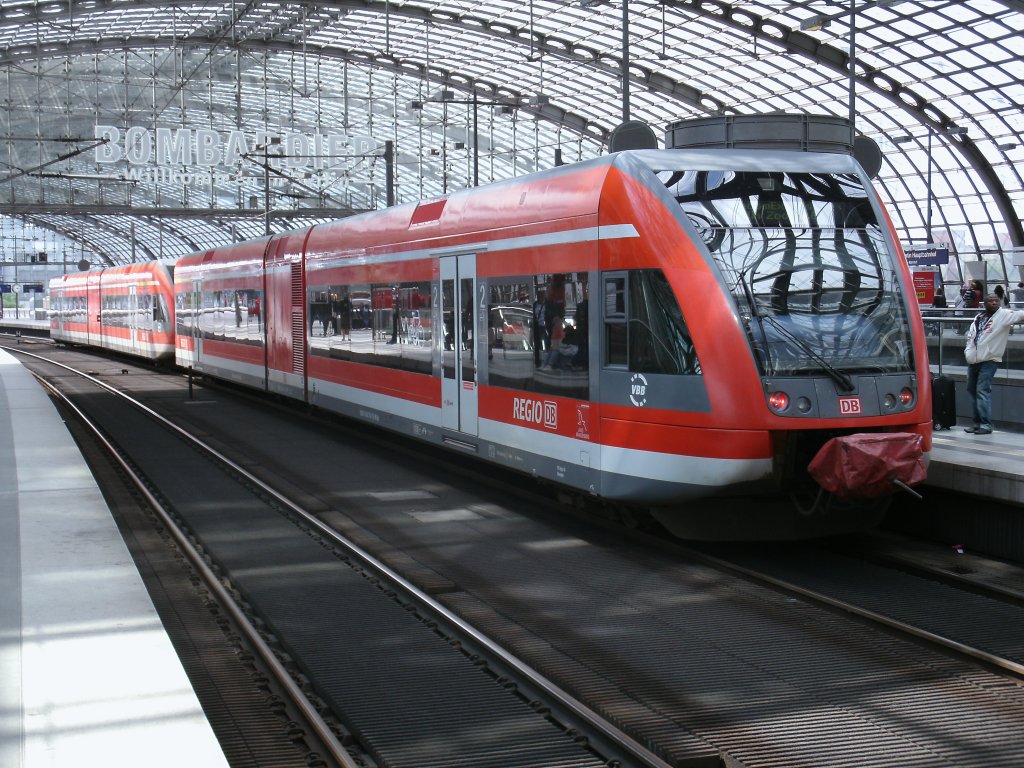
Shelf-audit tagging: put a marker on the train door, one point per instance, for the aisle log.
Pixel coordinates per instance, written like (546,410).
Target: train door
(94,309)
(195,327)
(133,318)
(458,343)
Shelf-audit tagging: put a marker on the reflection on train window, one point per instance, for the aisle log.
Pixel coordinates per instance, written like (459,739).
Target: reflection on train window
(72,309)
(808,264)
(525,351)
(644,327)
(234,315)
(137,311)
(186,310)
(386,324)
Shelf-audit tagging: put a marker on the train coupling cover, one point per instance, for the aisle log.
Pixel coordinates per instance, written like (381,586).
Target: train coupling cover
(870,465)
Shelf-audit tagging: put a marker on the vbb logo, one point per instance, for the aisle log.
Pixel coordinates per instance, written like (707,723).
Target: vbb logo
(638,390)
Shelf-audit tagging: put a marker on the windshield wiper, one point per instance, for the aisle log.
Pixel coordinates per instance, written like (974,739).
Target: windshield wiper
(839,377)
(766,348)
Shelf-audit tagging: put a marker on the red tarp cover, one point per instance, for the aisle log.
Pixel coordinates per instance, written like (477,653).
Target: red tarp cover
(865,465)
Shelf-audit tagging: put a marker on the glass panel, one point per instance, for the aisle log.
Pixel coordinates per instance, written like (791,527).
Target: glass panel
(616,329)
(808,266)
(659,341)
(378,324)
(467,344)
(537,328)
(448,319)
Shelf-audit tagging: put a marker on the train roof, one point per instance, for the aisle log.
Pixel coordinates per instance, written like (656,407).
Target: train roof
(561,192)
(742,160)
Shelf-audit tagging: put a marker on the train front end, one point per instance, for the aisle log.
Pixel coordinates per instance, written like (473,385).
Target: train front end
(808,266)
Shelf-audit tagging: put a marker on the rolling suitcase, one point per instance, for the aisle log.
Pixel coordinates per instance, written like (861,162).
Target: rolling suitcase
(943,402)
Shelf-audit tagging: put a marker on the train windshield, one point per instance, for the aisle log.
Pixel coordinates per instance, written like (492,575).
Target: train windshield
(808,266)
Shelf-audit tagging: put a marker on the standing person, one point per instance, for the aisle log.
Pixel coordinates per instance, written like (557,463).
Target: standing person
(557,335)
(541,340)
(1001,293)
(970,295)
(986,341)
(1017,297)
(345,316)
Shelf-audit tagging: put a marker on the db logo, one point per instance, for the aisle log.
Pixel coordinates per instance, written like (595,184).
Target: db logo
(849,406)
(535,411)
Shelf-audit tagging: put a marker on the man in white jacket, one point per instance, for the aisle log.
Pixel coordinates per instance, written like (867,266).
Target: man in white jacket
(986,341)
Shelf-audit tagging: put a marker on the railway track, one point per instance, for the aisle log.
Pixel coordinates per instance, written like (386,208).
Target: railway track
(521,718)
(699,665)
(974,619)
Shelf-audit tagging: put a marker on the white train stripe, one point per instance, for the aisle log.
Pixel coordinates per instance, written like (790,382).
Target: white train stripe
(666,467)
(693,470)
(583,235)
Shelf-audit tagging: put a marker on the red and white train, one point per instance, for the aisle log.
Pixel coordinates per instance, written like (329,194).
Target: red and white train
(124,309)
(679,330)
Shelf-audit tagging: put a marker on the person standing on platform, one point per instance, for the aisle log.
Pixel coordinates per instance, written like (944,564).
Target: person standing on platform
(986,342)
(541,332)
(1017,297)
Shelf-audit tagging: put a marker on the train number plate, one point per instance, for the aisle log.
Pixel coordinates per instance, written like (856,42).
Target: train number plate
(849,406)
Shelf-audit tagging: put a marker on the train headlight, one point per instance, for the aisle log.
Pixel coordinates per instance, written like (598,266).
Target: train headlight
(778,401)
(889,402)
(906,396)
(803,404)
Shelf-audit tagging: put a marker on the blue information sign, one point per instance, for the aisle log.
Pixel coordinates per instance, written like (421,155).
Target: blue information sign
(927,256)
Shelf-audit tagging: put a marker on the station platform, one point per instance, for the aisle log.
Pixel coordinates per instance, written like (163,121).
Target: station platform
(986,466)
(88,677)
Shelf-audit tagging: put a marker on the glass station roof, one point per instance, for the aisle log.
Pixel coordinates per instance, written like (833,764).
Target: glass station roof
(136,130)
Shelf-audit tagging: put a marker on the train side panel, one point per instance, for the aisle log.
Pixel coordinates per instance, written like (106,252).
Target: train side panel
(391,364)
(94,317)
(220,300)
(286,306)
(127,309)
(69,316)
(137,310)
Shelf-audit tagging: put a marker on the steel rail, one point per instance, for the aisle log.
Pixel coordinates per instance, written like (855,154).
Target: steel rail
(323,731)
(1013,667)
(636,753)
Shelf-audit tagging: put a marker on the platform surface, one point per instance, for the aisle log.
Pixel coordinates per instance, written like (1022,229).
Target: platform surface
(88,676)
(987,466)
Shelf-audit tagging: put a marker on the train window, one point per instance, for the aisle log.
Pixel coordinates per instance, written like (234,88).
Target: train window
(185,311)
(644,327)
(810,268)
(615,321)
(385,324)
(538,333)
(448,320)
(228,315)
(159,312)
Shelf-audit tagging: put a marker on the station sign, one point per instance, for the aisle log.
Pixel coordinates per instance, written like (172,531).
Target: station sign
(926,285)
(6,287)
(931,255)
(203,156)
